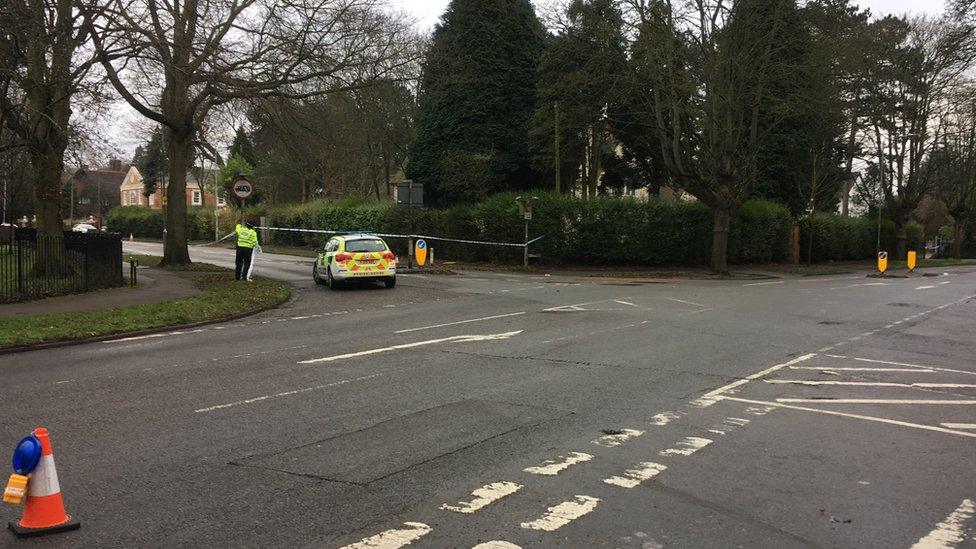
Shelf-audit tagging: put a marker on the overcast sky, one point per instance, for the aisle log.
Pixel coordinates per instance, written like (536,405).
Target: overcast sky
(428,11)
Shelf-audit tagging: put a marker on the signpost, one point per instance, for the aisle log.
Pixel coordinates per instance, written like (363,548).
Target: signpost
(242,188)
(420,251)
(410,194)
(912,261)
(882,262)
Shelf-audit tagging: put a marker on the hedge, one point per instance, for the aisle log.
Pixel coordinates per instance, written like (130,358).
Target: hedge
(837,238)
(144,222)
(605,231)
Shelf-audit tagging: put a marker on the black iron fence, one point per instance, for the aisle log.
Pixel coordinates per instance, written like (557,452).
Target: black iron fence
(32,266)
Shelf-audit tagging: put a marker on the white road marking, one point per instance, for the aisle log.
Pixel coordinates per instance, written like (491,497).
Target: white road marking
(554,467)
(664,418)
(686,447)
(579,306)
(944,283)
(154,336)
(856,416)
(763,283)
(393,539)
(959,425)
(563,514)
(289,393)
(454,339)
(714,396)
(915,366)
(622,302)
(686,302)
(876,401)
(736,421)
(925,287)
(759,410)
(874,384)
(951,531)
(716,431)
(496,544)
(633,477)
(832,369)
(609,441)
(459,322)
(484,496)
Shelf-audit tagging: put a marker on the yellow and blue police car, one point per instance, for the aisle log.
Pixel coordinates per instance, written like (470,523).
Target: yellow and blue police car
(354,256)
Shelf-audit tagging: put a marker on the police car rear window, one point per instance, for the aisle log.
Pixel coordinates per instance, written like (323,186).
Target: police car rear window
(356,246)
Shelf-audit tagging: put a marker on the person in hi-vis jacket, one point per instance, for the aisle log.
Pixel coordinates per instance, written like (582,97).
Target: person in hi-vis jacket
(247,239)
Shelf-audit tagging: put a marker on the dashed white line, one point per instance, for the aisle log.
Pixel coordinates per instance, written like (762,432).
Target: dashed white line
(925,287)
(393,539)
(633,477)
(554,467)
(664,418)
(686,302)
(951,531)
(484,496)
(563,514)
(763,283)
(616,439)
(482,319)
(686,447)
(288,393)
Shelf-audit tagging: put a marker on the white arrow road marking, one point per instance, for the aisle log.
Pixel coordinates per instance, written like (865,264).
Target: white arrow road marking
(563,514)
(459,322)
(686,447)
(554,467)
(484,496)
(633,477)
(951,531)
(452,339)
(393,539)
(616,439)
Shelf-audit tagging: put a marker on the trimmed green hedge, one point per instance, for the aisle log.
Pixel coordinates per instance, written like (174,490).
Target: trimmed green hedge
(605,231)
(144,222)
(838,238)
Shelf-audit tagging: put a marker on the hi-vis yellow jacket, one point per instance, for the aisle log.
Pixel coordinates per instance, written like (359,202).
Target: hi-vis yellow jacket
(246,238)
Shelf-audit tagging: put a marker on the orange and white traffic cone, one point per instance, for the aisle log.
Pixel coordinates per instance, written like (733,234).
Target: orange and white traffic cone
(44,512)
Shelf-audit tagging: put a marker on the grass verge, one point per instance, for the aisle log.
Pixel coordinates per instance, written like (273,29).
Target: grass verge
(222,298)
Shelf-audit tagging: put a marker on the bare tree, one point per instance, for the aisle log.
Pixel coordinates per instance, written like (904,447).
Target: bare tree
(705,69)
(191,56)
(919,63)
(954,164)
(45,62)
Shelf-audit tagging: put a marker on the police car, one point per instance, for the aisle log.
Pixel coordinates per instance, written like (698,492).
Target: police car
(354,256)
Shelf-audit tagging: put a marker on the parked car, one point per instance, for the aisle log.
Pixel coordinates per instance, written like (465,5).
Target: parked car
(84,228)
(355,256)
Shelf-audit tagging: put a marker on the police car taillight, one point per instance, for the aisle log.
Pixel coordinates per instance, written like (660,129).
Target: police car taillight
(343,257)
(389,255)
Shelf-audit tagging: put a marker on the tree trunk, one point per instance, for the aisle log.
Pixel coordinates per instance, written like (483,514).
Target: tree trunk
(720,239)
(958,234)
(47,202)
(175,251)
(902,248)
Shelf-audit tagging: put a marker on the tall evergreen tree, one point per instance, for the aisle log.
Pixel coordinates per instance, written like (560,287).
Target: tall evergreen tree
(152,163)
(242,146)
(477,95)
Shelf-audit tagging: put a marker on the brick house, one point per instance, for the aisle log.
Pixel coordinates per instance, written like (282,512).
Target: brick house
(92,190)
(132,193)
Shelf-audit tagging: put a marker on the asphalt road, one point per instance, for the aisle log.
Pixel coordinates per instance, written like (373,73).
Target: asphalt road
(524,411)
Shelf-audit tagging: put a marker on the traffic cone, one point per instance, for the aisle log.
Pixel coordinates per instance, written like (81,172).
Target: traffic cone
(131,239)
(44,512)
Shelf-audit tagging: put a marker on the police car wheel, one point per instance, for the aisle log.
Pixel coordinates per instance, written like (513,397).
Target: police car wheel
(333,283)
(315,275)
(390,282)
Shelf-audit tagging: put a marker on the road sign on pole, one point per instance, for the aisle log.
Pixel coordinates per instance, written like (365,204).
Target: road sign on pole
(242,188)
(912,261)
(882,262)
(420,252)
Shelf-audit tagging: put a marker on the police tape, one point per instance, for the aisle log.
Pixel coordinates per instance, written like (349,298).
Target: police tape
(417,236)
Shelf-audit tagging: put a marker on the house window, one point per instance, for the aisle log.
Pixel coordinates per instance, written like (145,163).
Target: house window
(133,198)
(196,198)
(221,201)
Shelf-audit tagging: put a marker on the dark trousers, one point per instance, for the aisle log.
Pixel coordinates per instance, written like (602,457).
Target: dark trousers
(242,263)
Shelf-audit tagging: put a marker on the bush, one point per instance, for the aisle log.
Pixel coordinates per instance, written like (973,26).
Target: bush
(144,222)
(839,238)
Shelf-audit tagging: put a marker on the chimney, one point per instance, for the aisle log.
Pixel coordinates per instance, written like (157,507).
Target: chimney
(115,165)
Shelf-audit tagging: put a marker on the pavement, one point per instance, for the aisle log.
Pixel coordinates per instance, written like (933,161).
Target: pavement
(154,285)
(508,410)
